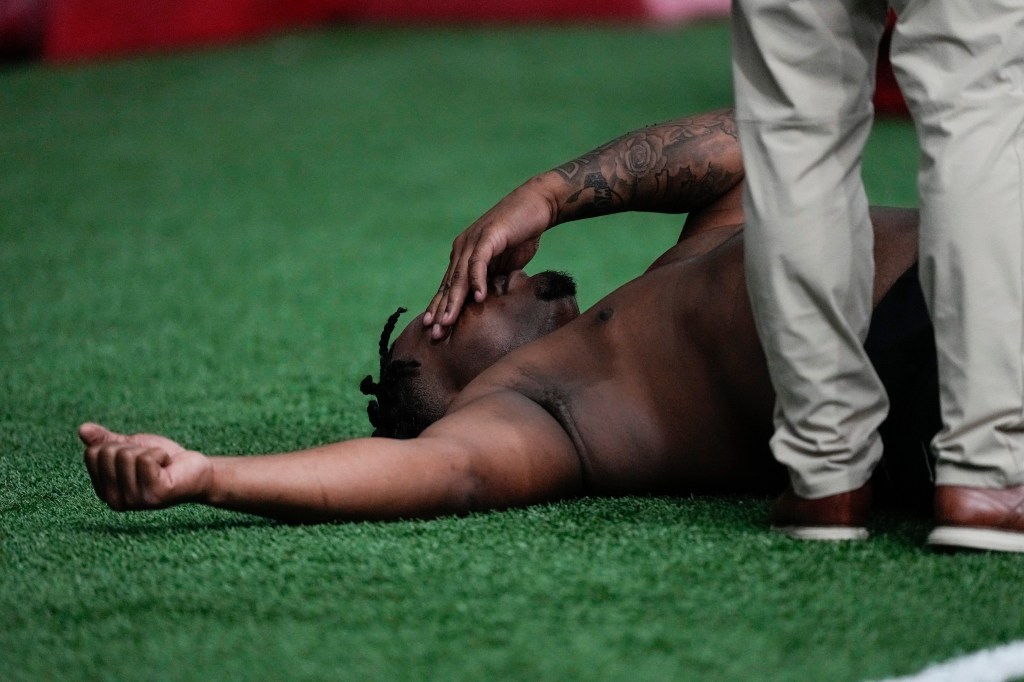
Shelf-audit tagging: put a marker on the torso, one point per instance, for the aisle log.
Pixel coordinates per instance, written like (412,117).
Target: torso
(662,385)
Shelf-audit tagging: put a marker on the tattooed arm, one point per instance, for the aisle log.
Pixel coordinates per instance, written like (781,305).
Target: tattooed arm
(674,167)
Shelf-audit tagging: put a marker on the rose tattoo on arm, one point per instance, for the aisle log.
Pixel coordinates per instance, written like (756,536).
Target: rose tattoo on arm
(669,167)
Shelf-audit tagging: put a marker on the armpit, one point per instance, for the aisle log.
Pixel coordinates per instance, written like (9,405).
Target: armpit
(558,403)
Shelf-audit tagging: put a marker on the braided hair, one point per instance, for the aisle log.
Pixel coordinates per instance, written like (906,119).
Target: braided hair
(397,410)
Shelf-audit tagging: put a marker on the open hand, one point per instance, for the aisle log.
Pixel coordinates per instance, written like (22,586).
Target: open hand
(143,471)
(502,240)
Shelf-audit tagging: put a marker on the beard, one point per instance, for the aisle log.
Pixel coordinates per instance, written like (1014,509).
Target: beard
(551,285)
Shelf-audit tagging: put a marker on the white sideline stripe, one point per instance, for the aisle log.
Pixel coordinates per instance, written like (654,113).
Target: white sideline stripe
(998,664)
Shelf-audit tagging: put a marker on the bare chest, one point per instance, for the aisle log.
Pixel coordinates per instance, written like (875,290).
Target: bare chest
(636,384)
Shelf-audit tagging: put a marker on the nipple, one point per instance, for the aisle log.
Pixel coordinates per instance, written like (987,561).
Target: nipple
(605,315)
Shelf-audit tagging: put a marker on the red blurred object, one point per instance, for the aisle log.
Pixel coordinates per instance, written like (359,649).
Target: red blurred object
(497,10)
(888,97)
(73,30)
(84,29)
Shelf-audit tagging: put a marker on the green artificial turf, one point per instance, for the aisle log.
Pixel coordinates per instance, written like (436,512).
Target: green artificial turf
(206,245)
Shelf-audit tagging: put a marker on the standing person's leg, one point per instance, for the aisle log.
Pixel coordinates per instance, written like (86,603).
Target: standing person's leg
(804,75)
(961,67)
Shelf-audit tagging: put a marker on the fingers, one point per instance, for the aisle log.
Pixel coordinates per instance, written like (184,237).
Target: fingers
(149,477)
(515,222)
(451,302)
(446,304)
(479,264)
(440,298)
(106,472)
(467,272)
(127,476)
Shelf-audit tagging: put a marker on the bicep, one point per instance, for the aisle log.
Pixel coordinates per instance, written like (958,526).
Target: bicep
(511,451)
(498,451)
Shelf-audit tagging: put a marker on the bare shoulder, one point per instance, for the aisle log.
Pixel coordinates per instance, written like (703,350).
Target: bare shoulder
(516,450)
(895,245)
(895,232)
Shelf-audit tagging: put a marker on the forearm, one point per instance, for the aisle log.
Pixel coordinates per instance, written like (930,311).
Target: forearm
(677,167)
(358,479)
(672,167)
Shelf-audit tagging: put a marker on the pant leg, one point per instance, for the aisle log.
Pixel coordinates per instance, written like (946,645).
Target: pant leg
(961,68)
(804,76)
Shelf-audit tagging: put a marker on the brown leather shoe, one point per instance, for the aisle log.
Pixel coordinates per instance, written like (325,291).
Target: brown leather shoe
(979,518)
(836,517)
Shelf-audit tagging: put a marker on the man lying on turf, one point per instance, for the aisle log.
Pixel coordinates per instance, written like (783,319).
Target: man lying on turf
(661,387)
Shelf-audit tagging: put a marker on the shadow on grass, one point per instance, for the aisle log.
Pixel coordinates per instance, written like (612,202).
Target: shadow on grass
(156,527)
(903,522)
(900,531)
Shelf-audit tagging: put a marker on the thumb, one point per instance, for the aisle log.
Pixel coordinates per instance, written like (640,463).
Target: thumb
(94,434)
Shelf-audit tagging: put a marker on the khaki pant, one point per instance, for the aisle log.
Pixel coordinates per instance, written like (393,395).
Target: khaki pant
(804,77)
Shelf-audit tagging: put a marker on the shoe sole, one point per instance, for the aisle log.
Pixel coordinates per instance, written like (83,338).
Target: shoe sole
(977,538)
(823,533)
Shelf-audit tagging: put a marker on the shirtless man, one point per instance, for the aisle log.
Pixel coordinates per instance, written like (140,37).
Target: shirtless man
(659,387)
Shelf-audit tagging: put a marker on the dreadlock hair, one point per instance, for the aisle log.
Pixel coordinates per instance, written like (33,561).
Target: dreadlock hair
(399,409)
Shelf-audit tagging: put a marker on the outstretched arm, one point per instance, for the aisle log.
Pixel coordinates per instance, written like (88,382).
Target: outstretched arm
(674,167)
(500,451)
